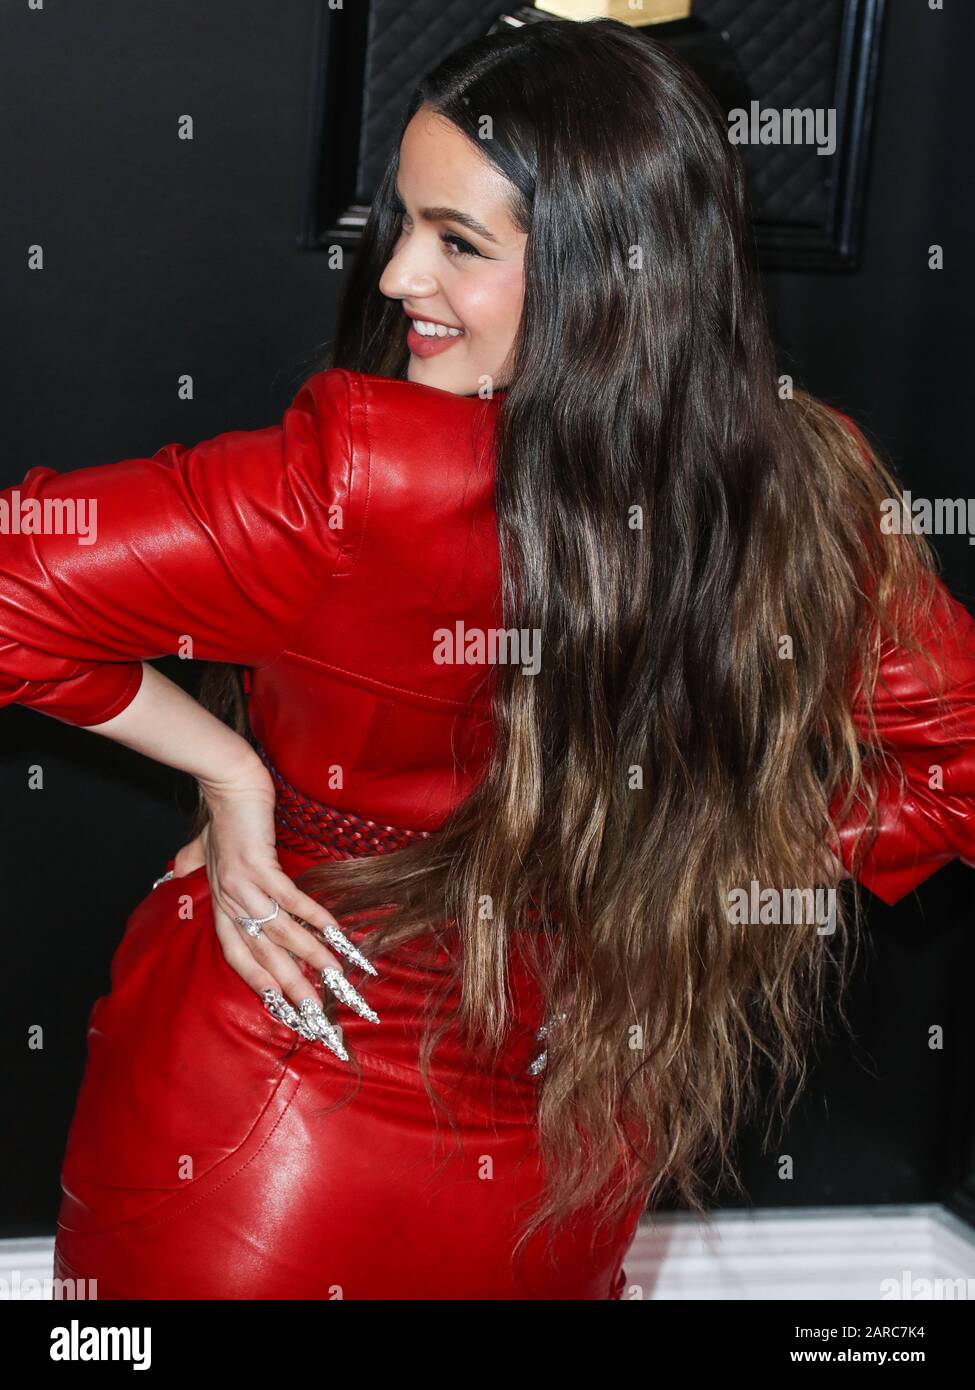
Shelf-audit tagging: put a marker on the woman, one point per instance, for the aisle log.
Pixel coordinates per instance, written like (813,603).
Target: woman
(535,680)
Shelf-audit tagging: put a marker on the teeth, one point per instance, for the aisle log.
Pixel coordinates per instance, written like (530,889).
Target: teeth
(435,330)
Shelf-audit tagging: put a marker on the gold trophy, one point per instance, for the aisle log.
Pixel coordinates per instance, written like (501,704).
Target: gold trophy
(627,11)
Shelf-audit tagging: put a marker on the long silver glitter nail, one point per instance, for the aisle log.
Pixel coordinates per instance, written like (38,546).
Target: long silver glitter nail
(326,1033)
(339,985)
(342,944)
(346,948)
(279,1008)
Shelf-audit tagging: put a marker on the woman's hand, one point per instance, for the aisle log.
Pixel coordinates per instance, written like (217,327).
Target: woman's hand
(237,846)
(165,722)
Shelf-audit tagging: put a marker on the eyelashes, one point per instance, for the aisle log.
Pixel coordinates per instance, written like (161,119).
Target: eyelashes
(462,247)
(453,245)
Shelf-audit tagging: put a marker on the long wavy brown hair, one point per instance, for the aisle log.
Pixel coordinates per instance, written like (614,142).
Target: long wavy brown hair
(668,513)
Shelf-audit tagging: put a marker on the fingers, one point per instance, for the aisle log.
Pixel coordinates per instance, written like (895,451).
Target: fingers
(281,940)
(270,951)
(237,955)
(308,1018)
(306,911)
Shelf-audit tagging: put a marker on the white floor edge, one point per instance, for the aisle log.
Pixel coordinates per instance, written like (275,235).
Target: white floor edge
(876,1253)
(880,1253)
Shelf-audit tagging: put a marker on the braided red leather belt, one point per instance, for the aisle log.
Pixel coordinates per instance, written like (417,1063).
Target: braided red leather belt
(325,832)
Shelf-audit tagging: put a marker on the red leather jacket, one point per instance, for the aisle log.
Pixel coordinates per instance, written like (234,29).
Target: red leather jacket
(322,553)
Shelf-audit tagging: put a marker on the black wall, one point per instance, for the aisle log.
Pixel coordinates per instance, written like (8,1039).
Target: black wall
(165,256)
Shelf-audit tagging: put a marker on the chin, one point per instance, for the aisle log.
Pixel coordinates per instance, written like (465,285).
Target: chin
(431,372)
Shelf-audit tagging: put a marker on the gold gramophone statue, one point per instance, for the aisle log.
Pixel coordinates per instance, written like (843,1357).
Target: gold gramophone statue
(627,11)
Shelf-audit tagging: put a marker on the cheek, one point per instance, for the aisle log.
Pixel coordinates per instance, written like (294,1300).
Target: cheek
(490,306)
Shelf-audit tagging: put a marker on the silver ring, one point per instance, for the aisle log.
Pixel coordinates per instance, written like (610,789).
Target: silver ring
(252,925)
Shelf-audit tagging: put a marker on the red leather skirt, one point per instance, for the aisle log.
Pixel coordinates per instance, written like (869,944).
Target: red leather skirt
(215,1154)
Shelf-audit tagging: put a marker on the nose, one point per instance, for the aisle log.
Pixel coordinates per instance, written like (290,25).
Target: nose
(408,273)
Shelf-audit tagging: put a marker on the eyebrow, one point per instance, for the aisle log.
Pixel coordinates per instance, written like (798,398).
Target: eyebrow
(440,214)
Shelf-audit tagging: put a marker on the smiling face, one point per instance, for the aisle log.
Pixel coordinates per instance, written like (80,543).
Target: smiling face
(459,259)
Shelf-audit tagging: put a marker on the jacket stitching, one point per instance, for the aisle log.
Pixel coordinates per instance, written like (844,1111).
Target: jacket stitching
(294,632)
(142,1226)
(461,706)
(362,414)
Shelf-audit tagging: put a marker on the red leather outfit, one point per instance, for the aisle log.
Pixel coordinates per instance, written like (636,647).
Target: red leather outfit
(209,1156)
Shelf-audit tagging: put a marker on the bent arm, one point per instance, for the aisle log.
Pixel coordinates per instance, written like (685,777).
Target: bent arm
(215,552)
(166,724)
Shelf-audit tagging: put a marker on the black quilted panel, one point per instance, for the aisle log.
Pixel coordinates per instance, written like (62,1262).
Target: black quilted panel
(789,49)
(406,40)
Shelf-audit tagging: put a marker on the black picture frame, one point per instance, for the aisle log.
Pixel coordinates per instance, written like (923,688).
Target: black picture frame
(837,243)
